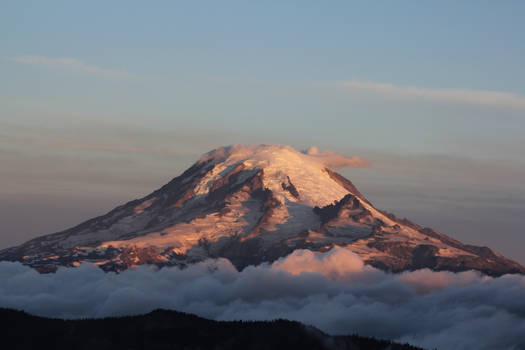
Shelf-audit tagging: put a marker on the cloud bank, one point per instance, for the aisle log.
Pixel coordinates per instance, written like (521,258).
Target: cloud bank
(475,97)
(333,291)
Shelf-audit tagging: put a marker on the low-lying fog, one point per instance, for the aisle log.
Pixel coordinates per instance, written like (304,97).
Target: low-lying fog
(333,291)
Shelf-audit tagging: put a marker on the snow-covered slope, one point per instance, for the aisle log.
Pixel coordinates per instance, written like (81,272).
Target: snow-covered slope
(254,204)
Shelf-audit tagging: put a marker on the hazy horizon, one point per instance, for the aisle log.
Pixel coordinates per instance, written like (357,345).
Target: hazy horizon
(102,103)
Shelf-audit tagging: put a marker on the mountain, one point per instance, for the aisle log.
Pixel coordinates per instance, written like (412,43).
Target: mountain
(163,329)
(255,204)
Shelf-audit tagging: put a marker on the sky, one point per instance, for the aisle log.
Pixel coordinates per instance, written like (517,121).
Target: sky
(103,102)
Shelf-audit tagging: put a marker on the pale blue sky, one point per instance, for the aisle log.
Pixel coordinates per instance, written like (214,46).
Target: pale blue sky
(103,101)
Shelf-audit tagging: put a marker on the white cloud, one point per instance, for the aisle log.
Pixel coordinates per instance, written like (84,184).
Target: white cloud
(73,64)
(333,291)
(335,160)
(474,97)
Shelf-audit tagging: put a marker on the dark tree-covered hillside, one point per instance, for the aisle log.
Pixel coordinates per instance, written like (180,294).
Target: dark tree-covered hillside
(162,329)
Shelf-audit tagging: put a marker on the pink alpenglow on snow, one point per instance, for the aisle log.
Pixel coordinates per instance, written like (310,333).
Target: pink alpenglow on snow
(254,204)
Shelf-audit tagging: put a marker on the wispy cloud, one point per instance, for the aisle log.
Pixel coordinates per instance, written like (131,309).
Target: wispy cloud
(71,64)
(474,97)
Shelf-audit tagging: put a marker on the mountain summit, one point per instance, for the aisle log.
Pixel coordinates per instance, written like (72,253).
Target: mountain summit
(255,204)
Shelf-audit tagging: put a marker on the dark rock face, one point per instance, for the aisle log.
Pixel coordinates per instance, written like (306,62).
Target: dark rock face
(345,183)
(332,211)
(221,188)
(482,259)
(424,256)
(403,257)
(243,253)
(289,186)
(163,329)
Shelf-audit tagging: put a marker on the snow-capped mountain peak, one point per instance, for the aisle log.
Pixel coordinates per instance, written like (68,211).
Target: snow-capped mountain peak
(282,164)
(254,204)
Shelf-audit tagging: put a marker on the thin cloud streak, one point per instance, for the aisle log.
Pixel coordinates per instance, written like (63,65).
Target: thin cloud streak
(474,97)
(73,64)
